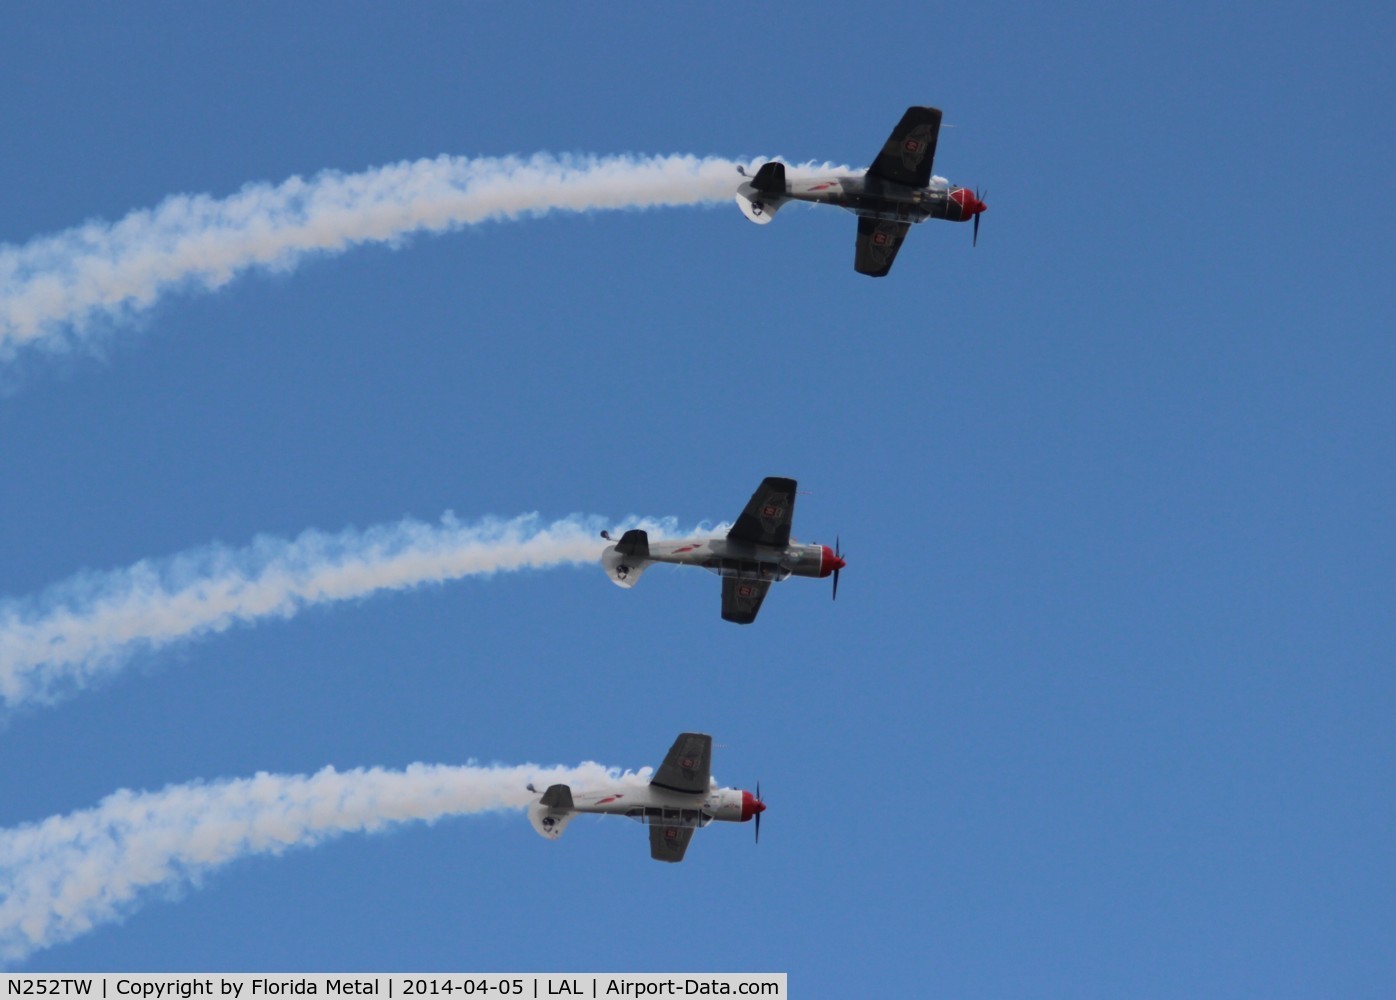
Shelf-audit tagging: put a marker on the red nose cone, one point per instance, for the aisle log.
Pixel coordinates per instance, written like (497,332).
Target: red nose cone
(751,805)
(970,206)
(828,562)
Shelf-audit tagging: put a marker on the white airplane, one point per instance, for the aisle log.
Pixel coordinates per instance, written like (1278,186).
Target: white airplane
(756,552)
(679,799)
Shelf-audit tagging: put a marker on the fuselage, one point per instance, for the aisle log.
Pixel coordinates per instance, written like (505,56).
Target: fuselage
(873,198)
(868,197)
(654,806)
(742,560)
(649,804)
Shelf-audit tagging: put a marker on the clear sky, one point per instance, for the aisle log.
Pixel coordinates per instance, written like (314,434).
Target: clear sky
(1104,707)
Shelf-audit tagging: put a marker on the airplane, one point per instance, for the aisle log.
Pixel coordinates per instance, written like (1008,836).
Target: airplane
(679,799)
(756,552)
(897,190)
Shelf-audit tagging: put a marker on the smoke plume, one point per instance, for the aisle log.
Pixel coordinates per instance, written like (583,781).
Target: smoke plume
(54,287)
(68,874)
(61,639)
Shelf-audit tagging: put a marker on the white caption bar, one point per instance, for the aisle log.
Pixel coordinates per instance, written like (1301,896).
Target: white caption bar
(397,986)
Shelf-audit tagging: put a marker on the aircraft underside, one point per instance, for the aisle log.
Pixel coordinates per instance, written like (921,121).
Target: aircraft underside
(913,206)
(747,562)
(657,816)
(742,569)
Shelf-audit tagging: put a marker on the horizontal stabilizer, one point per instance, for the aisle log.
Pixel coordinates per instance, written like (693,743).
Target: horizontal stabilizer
(627,559)
(759,208)
(551,813)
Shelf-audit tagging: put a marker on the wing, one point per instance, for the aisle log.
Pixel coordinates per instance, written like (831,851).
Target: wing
(766,519)
(907,156)
(668,843)
(741,599)
(687,768)
(878,243)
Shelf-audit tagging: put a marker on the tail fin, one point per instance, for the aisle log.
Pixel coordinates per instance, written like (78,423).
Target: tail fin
(558,797)
(551,813)
(770,179)
(635,543)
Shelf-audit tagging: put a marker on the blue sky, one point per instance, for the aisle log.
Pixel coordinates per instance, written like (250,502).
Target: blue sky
(1104,705)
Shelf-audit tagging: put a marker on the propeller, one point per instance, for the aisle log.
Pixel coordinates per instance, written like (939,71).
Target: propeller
(838,550)
(758,815)
(979,198)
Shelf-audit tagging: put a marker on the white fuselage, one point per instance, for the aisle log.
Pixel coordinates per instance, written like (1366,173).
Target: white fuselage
(874,199)
(725,558)
(867,197)
(650,805)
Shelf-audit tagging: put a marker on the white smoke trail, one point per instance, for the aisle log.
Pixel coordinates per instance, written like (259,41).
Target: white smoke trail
(54,287)
(60,640)
(67,874)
